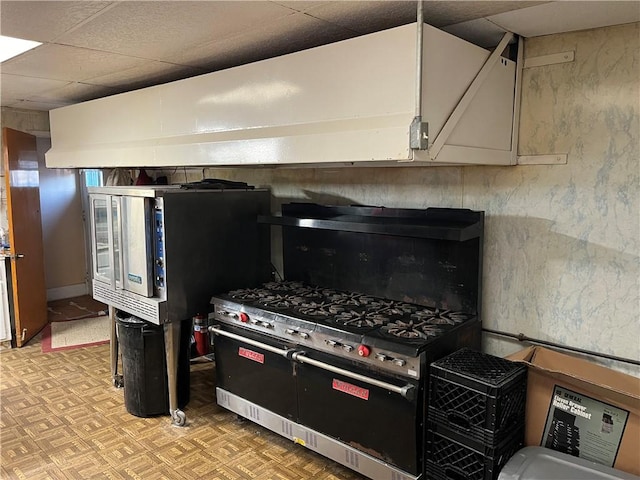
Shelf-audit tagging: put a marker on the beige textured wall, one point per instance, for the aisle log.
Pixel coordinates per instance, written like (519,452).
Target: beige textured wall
(62,226)
(562,257)
(562,249)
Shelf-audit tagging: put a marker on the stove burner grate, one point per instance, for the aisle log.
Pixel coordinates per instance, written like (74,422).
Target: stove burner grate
(353,311)
(411,330)
(248,294)
(281,302)
(436,316)
(353,318)
(322,309)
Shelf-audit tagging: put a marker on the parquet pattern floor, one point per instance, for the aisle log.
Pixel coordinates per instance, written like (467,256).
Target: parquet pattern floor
(61,418)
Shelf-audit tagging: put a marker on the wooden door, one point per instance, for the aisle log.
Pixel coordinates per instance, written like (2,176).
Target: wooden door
(25,233)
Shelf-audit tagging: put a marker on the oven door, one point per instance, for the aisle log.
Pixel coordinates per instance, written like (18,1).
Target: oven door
(374,413)
(137,262)
(104,224)
(255,367)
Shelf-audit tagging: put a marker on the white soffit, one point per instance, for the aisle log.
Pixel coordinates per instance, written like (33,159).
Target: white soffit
(567,16)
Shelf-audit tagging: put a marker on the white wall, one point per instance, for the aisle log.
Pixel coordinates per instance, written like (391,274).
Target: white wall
(562,243)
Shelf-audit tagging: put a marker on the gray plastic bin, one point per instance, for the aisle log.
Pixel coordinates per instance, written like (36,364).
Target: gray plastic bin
(539,463)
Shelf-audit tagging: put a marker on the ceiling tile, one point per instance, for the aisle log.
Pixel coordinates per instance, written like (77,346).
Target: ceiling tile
(76,92)
(300,5)
(366,17)
(480,32)
(150,73)
(439,13)
(157,30)
(61,62)
(44,21)
(559,17)
(35,105)
(372,16)
(16,86)
(296,32)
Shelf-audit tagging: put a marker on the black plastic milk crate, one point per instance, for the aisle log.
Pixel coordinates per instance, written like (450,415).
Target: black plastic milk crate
(451,456)
(479,395)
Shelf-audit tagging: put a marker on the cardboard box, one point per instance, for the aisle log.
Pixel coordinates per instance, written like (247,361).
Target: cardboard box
(582,408)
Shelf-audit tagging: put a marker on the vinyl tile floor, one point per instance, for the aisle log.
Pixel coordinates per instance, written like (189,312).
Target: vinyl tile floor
(61,418)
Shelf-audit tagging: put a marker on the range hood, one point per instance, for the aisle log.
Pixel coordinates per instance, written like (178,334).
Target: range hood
(352,102)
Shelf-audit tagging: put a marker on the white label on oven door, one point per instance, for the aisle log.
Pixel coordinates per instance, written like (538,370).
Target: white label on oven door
(251,355)
(354,390)
(412,372)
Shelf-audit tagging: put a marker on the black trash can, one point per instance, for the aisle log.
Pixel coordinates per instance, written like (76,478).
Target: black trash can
(144,366)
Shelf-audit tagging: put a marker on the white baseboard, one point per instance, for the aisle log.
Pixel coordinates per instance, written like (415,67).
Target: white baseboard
(67,291)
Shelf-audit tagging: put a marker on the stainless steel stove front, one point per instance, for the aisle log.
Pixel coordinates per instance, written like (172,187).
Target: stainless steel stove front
(319,337)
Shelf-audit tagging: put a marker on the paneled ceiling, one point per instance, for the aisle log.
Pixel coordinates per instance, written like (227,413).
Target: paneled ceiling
(93,49)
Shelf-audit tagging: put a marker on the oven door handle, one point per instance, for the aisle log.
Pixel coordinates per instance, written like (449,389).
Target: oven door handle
(408,391)
(216,330)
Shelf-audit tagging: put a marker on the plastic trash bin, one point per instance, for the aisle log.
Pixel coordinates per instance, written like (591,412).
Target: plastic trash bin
(539,463)
(144,366)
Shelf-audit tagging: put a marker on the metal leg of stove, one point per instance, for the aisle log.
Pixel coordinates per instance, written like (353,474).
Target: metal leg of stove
(117,379)
(172,350)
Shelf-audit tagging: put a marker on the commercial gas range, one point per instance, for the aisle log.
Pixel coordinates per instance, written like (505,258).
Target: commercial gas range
(336,357)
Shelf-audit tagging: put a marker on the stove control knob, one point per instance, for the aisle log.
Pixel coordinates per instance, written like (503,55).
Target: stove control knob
(291,331)
(399,362)
(266,325)
(243,317)
(347,348)
(363,351)
(253,321)
(331,343)
(382,357)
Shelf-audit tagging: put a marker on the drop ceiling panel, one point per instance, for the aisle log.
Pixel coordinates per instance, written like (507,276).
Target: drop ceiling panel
(36,105)
(76,92)
(158,30)
(559,17)
(61,62)
(366,17)
(16,87)
(293,33)
(480,31)
(301,6)
(149,73)
(441,13)
(44,21)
